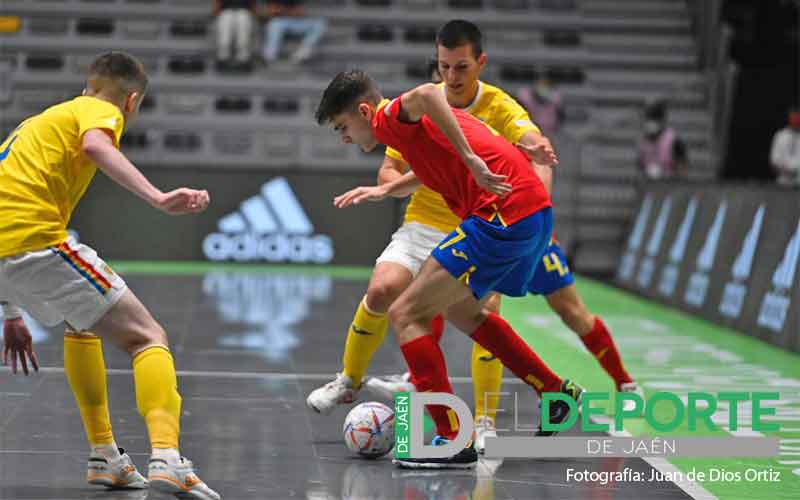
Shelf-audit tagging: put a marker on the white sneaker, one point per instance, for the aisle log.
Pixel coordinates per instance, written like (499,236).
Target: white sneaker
(629,405)
(386,387)
(114,473)
(484,427)
(336,392)
(179,480)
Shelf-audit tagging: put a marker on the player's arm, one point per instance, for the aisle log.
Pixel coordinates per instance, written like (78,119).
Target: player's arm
(400,187)
(429,100)
(545,172)
(17,339)
(397,178)
(98,147)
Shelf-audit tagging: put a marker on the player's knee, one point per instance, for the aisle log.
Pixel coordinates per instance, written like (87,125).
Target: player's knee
(381,294)
(146,337)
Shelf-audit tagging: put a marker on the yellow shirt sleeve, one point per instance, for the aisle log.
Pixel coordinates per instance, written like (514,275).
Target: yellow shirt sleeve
(101,115)
(393,153)
(512,121)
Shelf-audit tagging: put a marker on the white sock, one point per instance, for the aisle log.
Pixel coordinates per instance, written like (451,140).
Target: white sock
(107,451)
(169,455)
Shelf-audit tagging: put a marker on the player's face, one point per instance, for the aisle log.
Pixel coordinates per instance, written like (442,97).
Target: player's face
(460,71)
(354,127)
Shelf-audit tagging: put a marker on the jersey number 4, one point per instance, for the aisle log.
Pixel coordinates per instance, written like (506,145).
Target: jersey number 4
(553,263)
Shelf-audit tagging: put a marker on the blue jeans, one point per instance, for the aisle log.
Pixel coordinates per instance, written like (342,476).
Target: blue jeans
(311,29)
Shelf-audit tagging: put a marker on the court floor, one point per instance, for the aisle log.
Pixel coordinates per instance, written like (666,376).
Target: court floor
(248,348)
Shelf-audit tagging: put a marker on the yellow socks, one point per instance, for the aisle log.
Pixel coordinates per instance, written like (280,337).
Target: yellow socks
(487,376)
(157,395)
(364,336)
(86,374)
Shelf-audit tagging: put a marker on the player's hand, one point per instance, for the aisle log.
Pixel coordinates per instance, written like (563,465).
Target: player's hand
(542,152)
(359,194)
(486,179)
(183,201)
(19,344)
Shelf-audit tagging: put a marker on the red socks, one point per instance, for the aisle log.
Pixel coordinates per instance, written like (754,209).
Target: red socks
(600,343)
(497,337)
(429,374)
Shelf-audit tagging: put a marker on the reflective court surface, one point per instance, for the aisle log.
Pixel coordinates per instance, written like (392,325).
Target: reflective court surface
(249,347)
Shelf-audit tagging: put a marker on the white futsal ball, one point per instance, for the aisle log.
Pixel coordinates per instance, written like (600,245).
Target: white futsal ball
(369,430)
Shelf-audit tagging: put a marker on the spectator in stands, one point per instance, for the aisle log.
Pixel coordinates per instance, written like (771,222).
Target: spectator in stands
(662,154)
(288,16)
(235,21)
(785,151)
(543,102)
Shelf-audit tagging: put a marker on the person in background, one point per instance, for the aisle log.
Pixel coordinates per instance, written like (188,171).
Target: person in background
(785,152)
(288,16)
(543,101)
(235,21)
(662,154)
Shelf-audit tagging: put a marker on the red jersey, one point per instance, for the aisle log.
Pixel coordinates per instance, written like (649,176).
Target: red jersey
(437,165)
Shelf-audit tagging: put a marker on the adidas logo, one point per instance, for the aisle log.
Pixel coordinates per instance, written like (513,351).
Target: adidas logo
(270,226)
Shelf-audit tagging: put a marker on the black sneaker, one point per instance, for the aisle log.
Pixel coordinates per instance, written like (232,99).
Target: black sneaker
(464,459)
(559,410)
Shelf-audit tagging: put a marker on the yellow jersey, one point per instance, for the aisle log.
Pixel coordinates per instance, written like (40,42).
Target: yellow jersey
(496,109)
(43,173)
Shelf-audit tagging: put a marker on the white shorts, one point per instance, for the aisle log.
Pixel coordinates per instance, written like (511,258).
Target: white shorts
(411,244)
(68,282)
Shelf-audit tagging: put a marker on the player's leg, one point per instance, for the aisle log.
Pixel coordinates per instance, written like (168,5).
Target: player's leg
(594,334)
(85,368)
(394,270)
(487,377)
(73,280)
(364,336)
(130,326)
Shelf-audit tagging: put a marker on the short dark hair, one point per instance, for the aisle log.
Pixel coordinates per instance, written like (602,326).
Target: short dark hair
(458,32)
(345,91)
(123,69)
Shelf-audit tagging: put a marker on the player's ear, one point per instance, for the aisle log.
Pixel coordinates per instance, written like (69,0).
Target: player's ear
(365,110)
(130,101)
(83,92)
(482,59)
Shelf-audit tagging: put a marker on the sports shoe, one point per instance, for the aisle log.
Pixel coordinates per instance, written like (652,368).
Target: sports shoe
(629,405)
(464,459)
(336,392)
(179,480)
(116,473)
(386,387)
(559,410)
(484,427)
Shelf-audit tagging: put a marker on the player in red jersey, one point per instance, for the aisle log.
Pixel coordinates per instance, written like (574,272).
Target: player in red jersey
(506,225)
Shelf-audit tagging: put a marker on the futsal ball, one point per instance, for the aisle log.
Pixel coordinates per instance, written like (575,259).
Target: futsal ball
(369,430)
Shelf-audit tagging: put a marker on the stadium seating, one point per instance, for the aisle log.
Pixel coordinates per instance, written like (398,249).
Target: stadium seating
(608,56)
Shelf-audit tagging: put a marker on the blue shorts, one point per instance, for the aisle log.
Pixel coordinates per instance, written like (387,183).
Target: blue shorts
(552,274)
(489,256)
